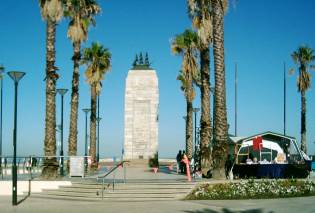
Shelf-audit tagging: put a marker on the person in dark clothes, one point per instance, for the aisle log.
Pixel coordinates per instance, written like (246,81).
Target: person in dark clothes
(183,167)
(178,160)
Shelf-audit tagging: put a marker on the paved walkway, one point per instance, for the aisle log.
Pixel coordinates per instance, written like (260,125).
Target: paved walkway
(32,204)
(294,205)
(145,173)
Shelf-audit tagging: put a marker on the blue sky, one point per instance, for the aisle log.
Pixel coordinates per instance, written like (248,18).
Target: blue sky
(259,36)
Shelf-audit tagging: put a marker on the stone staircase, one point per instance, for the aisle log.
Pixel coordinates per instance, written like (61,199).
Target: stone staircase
(133,190)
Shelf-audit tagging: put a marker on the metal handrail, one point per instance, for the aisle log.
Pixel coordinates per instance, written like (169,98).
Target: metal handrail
(114,176)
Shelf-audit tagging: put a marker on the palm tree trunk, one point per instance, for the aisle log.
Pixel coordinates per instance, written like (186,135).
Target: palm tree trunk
(189,130)
(205,120)
(303,122)
(220,135)
(50,168)
(93,126)
(73,129)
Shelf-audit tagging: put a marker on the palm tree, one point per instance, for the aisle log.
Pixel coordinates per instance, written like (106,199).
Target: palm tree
(81,14)
(220,133)
(97,58)
(303,57)
(200,13)
(52,12)
(185,44)
(185,87)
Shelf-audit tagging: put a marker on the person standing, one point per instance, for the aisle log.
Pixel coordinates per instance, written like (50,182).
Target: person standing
(178,160)
(185,160)
(182,164)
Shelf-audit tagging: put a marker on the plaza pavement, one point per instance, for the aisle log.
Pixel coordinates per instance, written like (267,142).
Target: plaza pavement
(288,205)
(35,204)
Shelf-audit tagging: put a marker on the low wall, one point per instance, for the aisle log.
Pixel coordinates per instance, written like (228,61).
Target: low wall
(36,186)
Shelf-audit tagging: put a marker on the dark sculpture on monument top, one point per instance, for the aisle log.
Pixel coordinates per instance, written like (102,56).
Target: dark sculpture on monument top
(139,64)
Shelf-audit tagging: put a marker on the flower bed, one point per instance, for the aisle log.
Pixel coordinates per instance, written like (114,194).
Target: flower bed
(253,189)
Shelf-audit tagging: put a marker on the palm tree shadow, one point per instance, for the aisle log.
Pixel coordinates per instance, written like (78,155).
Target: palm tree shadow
(224,210)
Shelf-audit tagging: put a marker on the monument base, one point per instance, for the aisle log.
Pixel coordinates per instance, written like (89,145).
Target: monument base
(143,163)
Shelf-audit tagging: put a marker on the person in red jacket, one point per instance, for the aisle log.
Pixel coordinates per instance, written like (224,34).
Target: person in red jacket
(185,160)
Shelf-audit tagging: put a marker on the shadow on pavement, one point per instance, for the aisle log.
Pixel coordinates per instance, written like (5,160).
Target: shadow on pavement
(229,211)
(23,199)
(166,170)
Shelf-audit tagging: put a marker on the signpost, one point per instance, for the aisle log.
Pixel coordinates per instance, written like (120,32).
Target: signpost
(76,166)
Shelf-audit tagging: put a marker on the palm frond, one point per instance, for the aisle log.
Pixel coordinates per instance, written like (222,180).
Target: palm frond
(295,57)
(200,13)
(81,14)
(52,9)
(303,57)
(1,71)
(186,45)
(291,71)
(225,5)
(97,59)
(77,32)
(197,78)
(182,80)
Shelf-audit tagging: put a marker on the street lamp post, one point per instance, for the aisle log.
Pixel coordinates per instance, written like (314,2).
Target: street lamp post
(98,139)
(62,92)
(98,128)
(213,106)
(16,77)
(195,110)
(235,112)
(86,137)
(185,118)
(1,95)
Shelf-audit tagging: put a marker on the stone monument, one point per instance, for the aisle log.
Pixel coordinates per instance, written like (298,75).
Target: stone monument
(141,111)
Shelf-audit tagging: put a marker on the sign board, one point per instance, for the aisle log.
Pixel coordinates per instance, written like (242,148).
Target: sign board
(76,166)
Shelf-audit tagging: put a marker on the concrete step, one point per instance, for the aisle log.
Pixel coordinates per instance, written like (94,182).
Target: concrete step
(68,194)
(130,187)
(144,186)
(100,199)
(109,194)
(123,192)
(119,191)
(136,183)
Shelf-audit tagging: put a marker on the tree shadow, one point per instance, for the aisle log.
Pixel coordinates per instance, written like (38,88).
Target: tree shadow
(225,210)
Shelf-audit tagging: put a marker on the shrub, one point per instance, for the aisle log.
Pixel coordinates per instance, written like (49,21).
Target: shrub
(154,161)
(252,189)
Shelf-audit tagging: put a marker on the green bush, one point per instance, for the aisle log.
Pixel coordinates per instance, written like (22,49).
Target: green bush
(252,189)
(154,161)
